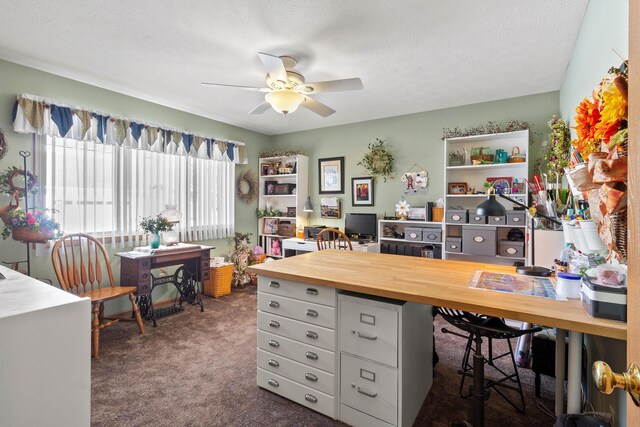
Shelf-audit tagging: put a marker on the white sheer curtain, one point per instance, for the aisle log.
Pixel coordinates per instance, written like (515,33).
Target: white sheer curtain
(106,189)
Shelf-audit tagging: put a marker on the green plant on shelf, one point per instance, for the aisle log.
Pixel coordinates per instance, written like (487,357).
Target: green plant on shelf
(268,212)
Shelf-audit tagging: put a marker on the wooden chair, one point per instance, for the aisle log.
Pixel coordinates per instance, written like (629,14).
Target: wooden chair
(330,238)
(77,260)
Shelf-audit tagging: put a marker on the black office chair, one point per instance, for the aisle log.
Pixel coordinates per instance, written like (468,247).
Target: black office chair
(477,327)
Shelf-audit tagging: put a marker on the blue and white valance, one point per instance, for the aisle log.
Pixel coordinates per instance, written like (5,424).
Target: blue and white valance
(32,114)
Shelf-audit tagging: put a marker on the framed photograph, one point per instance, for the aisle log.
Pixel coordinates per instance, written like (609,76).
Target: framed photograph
(291,211)
(502,184)
(457,188)
(270,188)
(264,169)
(270,226)
(362,191)
(418,213)
(331,175)
(330,207)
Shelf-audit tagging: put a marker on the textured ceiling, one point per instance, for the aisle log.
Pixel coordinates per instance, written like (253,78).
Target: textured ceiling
(412,55)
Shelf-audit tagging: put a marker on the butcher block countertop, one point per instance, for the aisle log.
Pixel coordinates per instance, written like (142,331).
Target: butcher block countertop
(437,282)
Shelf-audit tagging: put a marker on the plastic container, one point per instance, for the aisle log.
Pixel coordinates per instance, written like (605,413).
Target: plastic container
(590,233)
(568,285)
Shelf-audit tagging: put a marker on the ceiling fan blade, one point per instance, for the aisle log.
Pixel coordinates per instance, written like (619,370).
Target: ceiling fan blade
(256,89)
(274,66)
(317,107)
(261,108)
(333,86)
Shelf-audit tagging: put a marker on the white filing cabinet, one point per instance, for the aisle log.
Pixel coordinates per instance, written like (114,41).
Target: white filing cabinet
(297,343)
(386,351)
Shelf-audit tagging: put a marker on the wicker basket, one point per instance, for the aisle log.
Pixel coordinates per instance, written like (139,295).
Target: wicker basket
(6,210)
(516,157)
(26,234)
(482,156)
(219,283)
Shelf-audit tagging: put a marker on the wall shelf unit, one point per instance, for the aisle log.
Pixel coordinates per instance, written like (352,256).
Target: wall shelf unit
(475,177)
(269,176)
(429,248)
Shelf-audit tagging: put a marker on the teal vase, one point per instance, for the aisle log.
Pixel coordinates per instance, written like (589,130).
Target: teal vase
(154,241)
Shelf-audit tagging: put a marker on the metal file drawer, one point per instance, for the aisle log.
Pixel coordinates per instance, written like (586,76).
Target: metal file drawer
(299,393)
(316,314)
(300,331)
(356,418)
(316,294)
(303,374)
(369,387)
(369,329)
(300,352)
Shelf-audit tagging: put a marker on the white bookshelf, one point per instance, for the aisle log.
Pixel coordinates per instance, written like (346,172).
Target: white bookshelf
(475,177)
(300,178)
(400,228)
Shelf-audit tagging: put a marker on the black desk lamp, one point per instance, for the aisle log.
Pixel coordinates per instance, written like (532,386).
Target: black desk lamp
(491,207)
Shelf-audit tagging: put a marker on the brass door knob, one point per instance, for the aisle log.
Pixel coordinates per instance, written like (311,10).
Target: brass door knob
(606,380)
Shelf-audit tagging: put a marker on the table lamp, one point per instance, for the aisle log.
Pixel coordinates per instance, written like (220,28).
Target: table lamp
(491,207)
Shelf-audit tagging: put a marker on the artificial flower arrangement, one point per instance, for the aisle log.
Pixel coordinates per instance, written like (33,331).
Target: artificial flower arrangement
(152,225)
(599,162)
(35,226)
(557,156)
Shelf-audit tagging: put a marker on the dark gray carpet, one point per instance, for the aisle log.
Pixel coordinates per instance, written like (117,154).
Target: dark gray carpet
(199,369)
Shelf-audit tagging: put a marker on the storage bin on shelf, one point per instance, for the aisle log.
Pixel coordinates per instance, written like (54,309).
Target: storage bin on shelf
(219,283)
(479,240)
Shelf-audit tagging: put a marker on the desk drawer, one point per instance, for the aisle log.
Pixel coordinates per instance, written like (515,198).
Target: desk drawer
(369,387)
(369,329)
(356,418)
(298,290)
(300,352)
(300,331)
(303,374)
(306,245)
(316,314)
(299,393)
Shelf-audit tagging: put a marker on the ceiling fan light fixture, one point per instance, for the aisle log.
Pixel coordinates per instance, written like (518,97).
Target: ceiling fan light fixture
(284,101)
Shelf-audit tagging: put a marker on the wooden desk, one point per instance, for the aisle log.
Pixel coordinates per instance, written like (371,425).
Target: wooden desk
(135,270)
(445,283)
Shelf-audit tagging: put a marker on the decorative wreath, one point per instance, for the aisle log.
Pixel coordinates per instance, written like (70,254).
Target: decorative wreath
(378,161)
(12,173)
(247,186)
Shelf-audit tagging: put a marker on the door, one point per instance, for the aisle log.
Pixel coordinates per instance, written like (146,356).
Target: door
(633,249)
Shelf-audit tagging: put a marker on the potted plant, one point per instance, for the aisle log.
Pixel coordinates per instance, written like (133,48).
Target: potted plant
(154,226)
(31,227)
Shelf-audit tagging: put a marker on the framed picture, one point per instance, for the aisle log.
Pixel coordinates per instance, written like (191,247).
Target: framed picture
(330,207)
(291,211)
(502,184)
(270,226)
(418,213)
(264,169)
(331,177)
(362,191)
(457,188)
(270,187)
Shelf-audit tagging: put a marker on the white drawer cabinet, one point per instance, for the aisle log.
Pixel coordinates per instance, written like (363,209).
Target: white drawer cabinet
(291,289)
(386,351)
(297,330)
(297,343)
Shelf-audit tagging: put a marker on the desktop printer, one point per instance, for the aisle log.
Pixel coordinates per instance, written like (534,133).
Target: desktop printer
(311,231)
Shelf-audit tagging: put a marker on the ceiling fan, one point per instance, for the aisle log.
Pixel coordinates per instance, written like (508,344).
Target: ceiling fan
(286,88)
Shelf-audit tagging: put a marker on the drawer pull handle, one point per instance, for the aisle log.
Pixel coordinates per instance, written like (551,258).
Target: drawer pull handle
(273,382)
(274,343)
(310,398)
(478,239)
(311,291)
(274,284)
(274,324)
(311,377)
(311,355)
(301,243)
(274,304)
(273,363)
(312,313)
(366,337)
(311,334)
(372,395)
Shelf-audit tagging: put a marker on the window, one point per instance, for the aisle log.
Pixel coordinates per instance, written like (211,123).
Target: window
(105,189)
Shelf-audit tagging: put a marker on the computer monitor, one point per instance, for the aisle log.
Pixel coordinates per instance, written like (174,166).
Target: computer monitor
(361,225)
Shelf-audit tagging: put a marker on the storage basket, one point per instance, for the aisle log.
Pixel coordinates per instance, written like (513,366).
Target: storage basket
(219,283)
(6,210)
(482,156)
(516,157)
(27,235)
(437,214)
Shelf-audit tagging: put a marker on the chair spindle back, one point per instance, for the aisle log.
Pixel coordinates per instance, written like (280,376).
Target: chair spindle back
(330,238)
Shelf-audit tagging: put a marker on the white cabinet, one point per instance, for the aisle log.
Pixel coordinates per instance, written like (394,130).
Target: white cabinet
(297,342)
(386,349)
(45,354)
(301,245)
(284,186)
(475,177)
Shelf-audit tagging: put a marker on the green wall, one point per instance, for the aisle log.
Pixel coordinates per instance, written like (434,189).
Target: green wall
(16,79)
(605,27)
(412,139)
